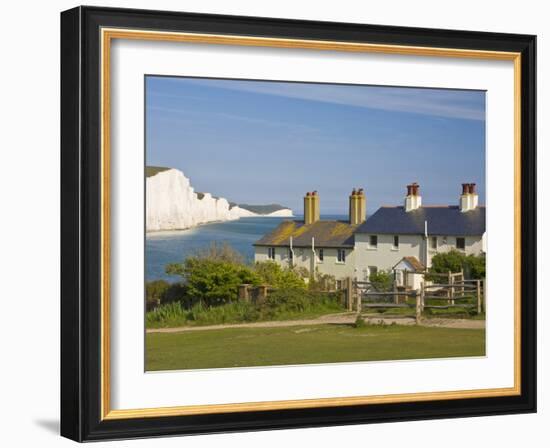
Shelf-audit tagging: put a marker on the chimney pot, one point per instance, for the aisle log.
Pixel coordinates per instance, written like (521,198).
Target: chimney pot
(472,188)
(465,188)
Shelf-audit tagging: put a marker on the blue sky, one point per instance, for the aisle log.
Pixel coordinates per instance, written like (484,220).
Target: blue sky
(261,142)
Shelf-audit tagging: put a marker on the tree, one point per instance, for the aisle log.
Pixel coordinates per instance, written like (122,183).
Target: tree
(220,252)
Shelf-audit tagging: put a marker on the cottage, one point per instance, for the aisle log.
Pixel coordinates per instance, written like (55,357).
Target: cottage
(399,238)
(323,246)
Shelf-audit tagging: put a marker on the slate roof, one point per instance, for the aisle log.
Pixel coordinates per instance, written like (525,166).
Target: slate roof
(442,220)
(326,234)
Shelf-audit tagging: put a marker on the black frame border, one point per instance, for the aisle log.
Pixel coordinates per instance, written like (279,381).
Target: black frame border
(81,223)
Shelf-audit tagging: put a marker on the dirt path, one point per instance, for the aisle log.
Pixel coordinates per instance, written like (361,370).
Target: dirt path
(333,319)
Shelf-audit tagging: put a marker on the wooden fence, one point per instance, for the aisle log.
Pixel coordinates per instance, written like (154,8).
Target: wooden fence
(467,294)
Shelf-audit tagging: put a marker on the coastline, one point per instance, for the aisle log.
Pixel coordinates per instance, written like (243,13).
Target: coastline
(178,230)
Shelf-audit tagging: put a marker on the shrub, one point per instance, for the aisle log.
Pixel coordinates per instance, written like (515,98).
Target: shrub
(454,261)
(475,266)
(322,282)
(272,274)
(176,292)
(448,261)
(298,301)
(154,292)
(381,280)
(212,282)
(166,315)
(235,312)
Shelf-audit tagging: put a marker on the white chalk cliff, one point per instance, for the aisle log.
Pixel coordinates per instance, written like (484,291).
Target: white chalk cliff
(172,204)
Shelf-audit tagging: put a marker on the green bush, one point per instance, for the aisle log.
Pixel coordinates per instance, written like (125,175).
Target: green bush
(154,292)
(381,280)
(454,261)
(322,282)
(291,302)
(282,304)
(171,314)
(236,312)
(213,282)
(271,273)
(475,266)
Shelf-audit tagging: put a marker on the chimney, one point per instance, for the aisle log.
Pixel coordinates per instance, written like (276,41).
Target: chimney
(311,207)
(469,198)
(413,200)
(357,207)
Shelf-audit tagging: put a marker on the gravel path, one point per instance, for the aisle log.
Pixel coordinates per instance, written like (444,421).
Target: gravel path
(333,319)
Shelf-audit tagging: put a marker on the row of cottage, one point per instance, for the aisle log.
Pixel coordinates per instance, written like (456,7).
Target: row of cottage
(399,238)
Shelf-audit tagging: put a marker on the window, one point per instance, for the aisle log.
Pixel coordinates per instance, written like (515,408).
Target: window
(373,241)
(396,242)
(271,253)
(321,255)
(290,255)
(373,270)
(433,242)
(341,256)
(461,243)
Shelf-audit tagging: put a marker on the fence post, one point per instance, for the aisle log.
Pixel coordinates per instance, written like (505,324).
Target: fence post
(262,293)
(422,297)
(349,300)
(484,298)
(478,291)
(243,292)
(358,303)
(395,295)
(419,303)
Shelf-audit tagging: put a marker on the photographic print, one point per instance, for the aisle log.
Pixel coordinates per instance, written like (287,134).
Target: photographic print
(294,223)
(272,223)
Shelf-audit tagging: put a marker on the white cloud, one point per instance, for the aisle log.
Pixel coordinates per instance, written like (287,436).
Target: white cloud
(461,104)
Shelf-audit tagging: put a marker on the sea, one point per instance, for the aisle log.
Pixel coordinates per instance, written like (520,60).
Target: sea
(162,248)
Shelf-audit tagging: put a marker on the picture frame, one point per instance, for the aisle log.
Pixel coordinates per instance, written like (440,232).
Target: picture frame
(86,175)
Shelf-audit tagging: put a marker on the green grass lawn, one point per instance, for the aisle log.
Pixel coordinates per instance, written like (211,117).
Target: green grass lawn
(239,347)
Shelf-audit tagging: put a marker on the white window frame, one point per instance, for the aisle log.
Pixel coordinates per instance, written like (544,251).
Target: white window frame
(321,256)
(463,239)
(271,253)
(341,259)
(394,247)
(432,239)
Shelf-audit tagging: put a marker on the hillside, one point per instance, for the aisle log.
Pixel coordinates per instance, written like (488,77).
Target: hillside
(263,209)
(152,170)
